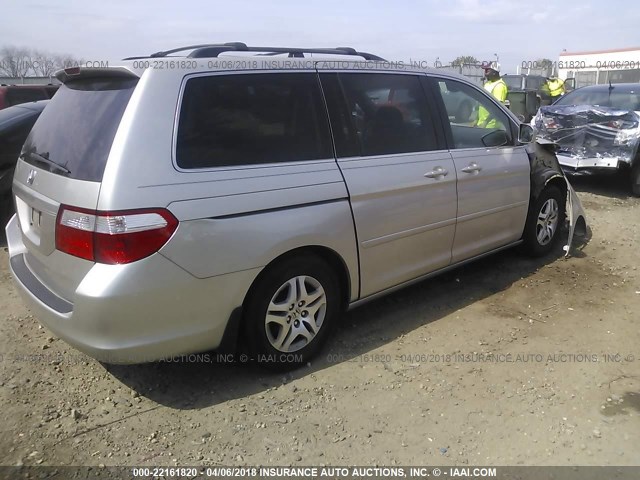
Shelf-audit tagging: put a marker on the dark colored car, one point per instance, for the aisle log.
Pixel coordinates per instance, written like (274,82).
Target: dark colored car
(623,96)
(11,95)
(15,125)
(596,128)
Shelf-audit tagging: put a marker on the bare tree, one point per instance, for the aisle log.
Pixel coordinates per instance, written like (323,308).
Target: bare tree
(464,60)
(546,65)
(15,61)
(43,65)
(22,62)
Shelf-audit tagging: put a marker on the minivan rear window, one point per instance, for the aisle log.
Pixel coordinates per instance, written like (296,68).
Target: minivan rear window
(253,118)
(73,135)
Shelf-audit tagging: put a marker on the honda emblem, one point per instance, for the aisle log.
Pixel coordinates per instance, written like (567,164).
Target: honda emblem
(31,177)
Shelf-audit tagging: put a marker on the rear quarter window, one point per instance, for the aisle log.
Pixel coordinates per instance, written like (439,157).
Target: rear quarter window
(250,119)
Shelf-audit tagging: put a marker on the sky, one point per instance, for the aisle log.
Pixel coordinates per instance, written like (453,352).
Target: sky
(424,30)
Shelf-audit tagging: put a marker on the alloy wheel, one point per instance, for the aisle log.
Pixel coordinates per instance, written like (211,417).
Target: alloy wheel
(295,314)
(547,221)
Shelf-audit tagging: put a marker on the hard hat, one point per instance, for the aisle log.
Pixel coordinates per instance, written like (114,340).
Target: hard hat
(491,66)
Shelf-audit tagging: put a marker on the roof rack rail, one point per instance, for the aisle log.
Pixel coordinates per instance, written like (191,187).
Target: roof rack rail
(215,49)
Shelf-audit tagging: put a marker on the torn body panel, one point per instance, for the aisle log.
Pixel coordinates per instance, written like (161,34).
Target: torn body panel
(545,168)
(576,216)
(589,136)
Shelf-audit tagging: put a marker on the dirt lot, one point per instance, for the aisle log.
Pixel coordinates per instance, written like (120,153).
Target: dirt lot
(398,384)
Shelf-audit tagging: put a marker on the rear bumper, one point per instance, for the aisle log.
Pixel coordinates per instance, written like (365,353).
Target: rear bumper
(572,163)
(134,313)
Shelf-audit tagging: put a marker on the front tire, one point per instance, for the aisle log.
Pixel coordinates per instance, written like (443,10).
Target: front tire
(290,311)
(546,217)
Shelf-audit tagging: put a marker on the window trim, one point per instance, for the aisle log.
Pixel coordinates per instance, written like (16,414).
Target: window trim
(432,102)
(222,168)
(343,101)
(433,79)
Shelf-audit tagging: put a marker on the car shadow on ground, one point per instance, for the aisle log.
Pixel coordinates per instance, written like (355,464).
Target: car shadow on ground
(608,184)
(193,385)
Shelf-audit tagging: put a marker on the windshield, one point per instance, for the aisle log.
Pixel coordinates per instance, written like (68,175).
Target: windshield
(623,100)
(73,136)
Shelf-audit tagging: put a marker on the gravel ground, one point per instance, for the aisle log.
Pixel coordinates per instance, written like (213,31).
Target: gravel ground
(507,361)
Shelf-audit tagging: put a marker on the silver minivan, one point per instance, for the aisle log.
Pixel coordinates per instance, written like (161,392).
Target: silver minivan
(180,204)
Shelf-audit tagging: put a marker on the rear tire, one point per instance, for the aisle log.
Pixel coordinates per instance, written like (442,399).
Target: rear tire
(635,178)
(546,217)
(6,211)
(290,312)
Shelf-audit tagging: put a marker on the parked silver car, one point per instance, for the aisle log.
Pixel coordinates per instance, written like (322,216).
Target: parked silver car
(172,205)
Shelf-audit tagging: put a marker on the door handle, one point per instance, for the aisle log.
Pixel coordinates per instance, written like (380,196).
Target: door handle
(437,173)
(472,168)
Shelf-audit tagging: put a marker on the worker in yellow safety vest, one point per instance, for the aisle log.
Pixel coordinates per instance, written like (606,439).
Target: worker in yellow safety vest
(496,86)
(555,86)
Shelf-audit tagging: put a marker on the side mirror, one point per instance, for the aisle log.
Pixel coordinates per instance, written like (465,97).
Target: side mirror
(497,138)
(525,133)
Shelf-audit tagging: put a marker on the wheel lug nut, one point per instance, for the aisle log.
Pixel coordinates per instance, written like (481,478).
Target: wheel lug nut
(305,313)
(296,323)
(301,303)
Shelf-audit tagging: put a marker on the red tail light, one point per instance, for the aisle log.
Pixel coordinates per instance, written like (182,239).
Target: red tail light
(113,237)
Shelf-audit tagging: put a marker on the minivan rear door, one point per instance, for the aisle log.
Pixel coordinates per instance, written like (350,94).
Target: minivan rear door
(401,181)
(62,163)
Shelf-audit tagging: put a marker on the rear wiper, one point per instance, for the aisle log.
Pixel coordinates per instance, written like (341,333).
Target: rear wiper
(43,159)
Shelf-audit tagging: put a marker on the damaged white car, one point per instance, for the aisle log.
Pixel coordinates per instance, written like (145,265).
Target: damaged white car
(595,128)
